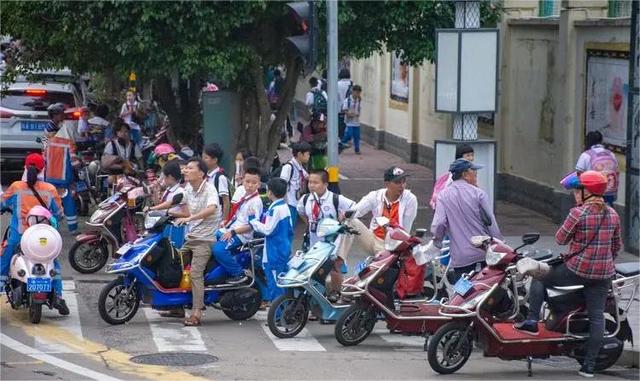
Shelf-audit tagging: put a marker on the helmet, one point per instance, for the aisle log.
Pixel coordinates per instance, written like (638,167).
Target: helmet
(163,149)
(38,215)
(36,160)
(41,243)
(55,109)
(595,182)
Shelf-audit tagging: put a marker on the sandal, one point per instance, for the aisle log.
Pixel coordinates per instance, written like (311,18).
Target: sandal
(173,314)
(192,321)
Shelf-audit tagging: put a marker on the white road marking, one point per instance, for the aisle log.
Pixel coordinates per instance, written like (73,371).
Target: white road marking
(303,342)
(172,336)
(342,177)
(39,355)
(411,341)
(70,323)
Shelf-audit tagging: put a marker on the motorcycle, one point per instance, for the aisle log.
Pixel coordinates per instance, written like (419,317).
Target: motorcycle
(305,283)
(32,271)
(564,333)
(120,299)
(114,222)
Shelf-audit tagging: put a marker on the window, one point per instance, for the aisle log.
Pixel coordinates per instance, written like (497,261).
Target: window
(21,100)
(619,8)
(549,8)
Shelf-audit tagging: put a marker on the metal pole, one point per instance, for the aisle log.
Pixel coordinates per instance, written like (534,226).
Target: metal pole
(332,89)
(632,213)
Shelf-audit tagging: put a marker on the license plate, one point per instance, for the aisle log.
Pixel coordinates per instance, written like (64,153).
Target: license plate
(81,186)
(462,286)
(38,284)
(123,250)
(296,261)
(33,126)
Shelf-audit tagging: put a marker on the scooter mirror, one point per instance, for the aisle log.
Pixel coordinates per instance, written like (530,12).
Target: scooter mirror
(530,238)
(349,213)
(421,233)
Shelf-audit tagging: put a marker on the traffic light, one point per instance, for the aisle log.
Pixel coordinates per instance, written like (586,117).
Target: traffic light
(304,44)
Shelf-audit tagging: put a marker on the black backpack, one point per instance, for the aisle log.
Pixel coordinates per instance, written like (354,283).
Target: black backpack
(319,102)
(278,171)
(165,261)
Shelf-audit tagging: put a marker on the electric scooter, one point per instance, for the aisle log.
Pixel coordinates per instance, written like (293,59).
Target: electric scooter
(137,282)
(305,283)
(564,332)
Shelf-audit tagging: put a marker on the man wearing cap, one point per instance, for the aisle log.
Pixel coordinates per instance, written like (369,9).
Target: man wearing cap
(460,216)
(393,201)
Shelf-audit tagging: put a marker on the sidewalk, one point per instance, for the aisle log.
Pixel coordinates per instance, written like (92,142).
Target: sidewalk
(361,174)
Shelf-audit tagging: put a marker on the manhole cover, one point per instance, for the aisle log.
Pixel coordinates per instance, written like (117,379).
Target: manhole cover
(174,359)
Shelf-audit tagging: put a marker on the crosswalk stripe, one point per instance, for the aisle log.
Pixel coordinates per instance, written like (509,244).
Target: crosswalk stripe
(303,342)
(409,341)
(170,336)
(70,323)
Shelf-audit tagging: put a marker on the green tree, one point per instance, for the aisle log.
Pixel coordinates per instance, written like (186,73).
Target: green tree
(179,45)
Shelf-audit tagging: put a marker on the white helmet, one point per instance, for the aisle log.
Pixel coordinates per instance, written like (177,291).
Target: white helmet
(41,243)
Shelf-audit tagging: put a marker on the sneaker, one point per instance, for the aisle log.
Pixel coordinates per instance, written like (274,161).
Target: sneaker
(528,326)
(358,153)
(238,279)
(586,372)
(60,305)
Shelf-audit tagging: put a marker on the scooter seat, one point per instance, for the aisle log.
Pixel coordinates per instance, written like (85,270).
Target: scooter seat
(628,268)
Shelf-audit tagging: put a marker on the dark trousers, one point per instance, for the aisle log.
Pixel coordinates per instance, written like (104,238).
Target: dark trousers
(341,125)
(459,271)
(595,294)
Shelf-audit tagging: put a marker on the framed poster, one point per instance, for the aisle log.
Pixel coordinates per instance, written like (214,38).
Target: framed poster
(607,95)
(399,79)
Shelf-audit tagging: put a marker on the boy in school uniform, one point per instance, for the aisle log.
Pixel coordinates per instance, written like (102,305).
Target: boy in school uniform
(237,229)
(278,231)
(212,155)
(322,203)
(294,174)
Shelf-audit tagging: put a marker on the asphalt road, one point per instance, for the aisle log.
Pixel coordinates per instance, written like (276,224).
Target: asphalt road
(82,346)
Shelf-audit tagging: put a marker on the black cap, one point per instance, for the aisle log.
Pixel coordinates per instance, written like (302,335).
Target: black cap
(395,173)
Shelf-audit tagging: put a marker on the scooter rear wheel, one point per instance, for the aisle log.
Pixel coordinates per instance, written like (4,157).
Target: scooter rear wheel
(117,305)
(35,312)
(355,324)
(287,316)
(447,343)
(88,257)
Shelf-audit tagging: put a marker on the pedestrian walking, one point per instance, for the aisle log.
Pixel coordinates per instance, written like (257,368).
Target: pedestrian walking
(344,91)
(352,107)
(597,158)
(294,173)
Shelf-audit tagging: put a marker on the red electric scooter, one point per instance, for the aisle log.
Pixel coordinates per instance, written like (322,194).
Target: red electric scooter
(564,332)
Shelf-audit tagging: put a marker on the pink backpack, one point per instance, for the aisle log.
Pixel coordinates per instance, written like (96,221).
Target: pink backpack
(605,162)
(440,184)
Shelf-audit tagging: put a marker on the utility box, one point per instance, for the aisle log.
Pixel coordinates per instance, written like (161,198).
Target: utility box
(221,123)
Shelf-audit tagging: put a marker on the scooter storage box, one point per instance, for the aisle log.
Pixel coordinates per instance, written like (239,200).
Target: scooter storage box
(387,279)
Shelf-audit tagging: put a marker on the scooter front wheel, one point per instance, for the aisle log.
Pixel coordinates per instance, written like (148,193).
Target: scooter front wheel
(449,348)
(355,324)
(118,304)
(88,257)
(287,316)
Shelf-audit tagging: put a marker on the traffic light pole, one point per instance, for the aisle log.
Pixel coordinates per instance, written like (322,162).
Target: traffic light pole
(332,89)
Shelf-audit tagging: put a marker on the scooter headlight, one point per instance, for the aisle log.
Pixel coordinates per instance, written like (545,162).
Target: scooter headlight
(327,227)
(473,302)
(493,258)
(391,244)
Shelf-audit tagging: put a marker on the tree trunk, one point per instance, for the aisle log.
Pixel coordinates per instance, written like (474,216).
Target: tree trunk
(182,108)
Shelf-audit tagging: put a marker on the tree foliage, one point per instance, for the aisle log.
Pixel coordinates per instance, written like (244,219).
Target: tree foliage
(181,44)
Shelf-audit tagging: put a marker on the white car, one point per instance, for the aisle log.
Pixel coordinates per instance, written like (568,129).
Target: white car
(23,117)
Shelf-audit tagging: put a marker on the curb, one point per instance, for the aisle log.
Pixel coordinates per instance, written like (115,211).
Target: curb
(629,358)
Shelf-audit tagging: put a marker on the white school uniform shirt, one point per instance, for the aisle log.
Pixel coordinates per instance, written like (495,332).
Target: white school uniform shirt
(252,206)
(374,202)
(127,118)
(170,193)
(223,182)
(294,180)
(327,209)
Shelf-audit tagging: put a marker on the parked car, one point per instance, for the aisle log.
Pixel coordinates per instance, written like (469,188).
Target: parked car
(23,117)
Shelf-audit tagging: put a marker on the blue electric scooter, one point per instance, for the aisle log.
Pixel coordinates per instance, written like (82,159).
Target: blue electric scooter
(120,299)
(305,284)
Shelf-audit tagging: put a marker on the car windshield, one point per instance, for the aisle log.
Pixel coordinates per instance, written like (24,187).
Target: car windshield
(22,100)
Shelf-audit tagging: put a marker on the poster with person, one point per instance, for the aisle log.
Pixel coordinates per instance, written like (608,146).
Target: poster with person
(399,79)
(607,90)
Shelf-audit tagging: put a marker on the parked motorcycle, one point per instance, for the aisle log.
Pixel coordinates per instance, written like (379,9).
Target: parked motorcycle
(563,334)
(114,222)
(32,270)
(304,283)
(120,299)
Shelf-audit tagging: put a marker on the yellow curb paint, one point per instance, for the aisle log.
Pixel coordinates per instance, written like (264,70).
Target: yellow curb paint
(114,359)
